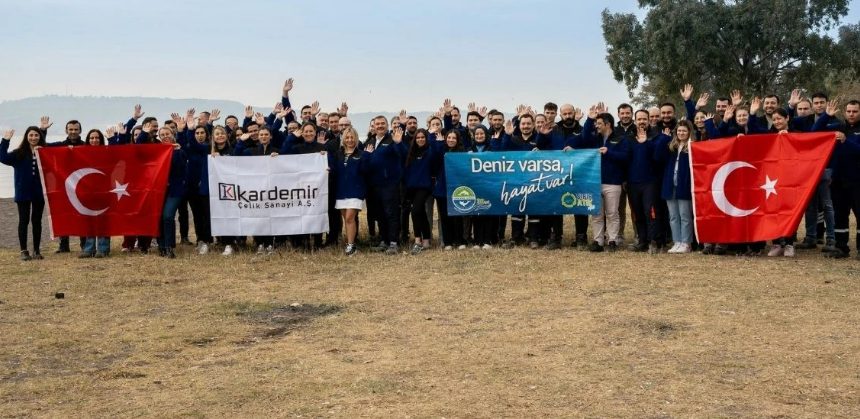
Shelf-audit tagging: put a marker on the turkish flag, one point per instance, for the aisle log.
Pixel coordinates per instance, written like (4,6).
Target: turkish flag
(755,187)
(113,190)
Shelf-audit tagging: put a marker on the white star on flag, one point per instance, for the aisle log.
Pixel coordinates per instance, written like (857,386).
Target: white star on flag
(769,187)
(119,190)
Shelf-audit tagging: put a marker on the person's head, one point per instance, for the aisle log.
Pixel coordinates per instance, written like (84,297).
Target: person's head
(770,104)
(804,107)
(95,137)
(73,129)
(252,129)
(625,114)
(742,115)
(473,119)
(349,138)
(653,116)
(264,135)
(852,111)
(136,131)
(344,123)
(497,120)
(641,119)
(434,124)
(166,135)
(722,105)
(292,126)
(527,125)
(568,115)
(32,137)
(540,121)
(667,113)
(453,140)
(480,135)
(683,134)
(201,134)
(232,122)
(780,119)
(203,118)
(170,124)
(699,120)
(322,120)
(395,120)
(219,138)
(309,132)
(550,110)
(422,136)
(333,119)
(411,125)
(604,123)
(153,124)
(819,102)
(306,113)
(380,126)
(455,115)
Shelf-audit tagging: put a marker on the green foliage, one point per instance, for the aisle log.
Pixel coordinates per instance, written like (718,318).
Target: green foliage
(759,46)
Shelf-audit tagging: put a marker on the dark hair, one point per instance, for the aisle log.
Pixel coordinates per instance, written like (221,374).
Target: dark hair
(265,128)
(648,114)
(781,112)
(231,116)
(148,119)
(207,113)
(23,151)
(459,146)
(454,108)
(821,95)
(414,149)
(853,102)
(529,116)
(101,137)
(723,99)
(607,118)
(73,122)
(205,129)
(412,117)
(473,113)
(306,124)
(550,107)
(334,114)
(305,107)
(494,112)
(254,123)
(670,104)
(625,106)
(773,96)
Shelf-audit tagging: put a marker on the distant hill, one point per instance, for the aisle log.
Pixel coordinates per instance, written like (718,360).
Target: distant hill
(99,112)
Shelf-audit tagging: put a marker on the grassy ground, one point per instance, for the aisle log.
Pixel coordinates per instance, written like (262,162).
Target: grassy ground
(445,334)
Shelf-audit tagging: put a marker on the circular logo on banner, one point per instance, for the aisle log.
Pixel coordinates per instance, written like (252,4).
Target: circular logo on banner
(463,199)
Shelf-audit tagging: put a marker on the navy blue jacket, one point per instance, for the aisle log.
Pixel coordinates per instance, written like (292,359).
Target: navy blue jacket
(176,180)
(28,181)
(518,143)
(386,161)
(417,174)
(437,165)
(642,168)
(448,125)
(845,160)
(350,173)
(196,160)
(613,164)
(667,157)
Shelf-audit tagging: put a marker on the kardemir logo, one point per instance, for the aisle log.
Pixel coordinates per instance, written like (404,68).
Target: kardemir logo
(226,192)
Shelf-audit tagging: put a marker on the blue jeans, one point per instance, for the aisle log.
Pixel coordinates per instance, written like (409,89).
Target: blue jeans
(821,201)
(681,220)
(168,222)
(91,247)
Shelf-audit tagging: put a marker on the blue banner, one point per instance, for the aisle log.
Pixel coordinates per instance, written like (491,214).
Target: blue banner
(523,182)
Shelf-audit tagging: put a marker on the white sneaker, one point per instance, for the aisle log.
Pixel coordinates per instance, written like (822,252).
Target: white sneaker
(788,251)
(449,248)
(487,247)
(228,250)
(777,250)
(270,250)
(197,248)
(685,248)
(204,249)
(462,247)
(125,250)
(261,249)
(476,247)
(675,248)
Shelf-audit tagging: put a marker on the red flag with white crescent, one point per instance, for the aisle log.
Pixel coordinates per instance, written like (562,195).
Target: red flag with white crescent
(755,187)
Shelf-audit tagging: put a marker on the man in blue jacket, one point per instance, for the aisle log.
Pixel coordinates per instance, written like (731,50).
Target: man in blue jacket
(383,189)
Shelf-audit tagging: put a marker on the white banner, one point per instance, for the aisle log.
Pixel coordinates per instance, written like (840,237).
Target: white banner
(268,196)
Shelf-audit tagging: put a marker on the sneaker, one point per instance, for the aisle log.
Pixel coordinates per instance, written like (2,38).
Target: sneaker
(613,247)
(100,255)
(449,248)
(261,249)
(653,249)
(270,250)
(37,255)
(533,245)
(144,251)
(720,249)
(595,247)
(350,249)
(63,249)
(461,247)
(84,255)
(806,244)
(639,247)
(228,250)
(487,247)
(620,242)
(203,249)
(476,247)
(393,249)
(708,250)
(162,252)
(752,253)
(169,254)
(789,251)
(25,255)
(684,248)
(829,247)
(416,249)
(185,242)
(837,254)
(675,248)
(581,242)
(381,248)
(776,250)
(553,245)
(508,245)
(125,250)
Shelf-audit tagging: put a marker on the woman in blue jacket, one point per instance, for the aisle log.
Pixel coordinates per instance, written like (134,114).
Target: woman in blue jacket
(483,226)
(452,227)
(419,187)
(176,182)
(28,186)
(352,164)
(674,154)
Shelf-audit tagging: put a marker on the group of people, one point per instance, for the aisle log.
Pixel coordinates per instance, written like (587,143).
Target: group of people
(397,173)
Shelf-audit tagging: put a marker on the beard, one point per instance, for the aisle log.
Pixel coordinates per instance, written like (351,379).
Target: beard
(568,122)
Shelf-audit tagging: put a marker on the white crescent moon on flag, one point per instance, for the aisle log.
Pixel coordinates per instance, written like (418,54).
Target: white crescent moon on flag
(72,185)
(718,189)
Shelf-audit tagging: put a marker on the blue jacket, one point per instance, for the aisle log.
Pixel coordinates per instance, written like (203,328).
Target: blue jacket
(518,143)
(176,180)
(196,160)
(642,168)
(437,165)
(386,161)
(667,157)
(350,173)
(845,160)
(417,174)
(613,164)
(28,181)
(561,137)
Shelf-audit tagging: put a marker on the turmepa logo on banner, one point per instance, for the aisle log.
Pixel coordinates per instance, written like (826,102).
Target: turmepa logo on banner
(268,196)
(465,201)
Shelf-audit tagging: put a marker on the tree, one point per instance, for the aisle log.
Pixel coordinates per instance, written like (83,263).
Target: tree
(759,46)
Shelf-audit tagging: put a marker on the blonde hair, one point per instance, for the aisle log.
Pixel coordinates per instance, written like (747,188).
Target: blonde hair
(214,147)
(675,144)
(354,133)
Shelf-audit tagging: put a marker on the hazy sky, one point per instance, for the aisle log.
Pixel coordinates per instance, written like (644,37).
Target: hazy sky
(376,54)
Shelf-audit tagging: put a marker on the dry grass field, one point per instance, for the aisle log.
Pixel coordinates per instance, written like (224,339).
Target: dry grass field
(461,334)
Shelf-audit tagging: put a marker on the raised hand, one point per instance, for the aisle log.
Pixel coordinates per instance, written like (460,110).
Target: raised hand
(189,121)
(403,116)
(343,109)
(687,92)
(709,116)
(794,99)
(483,111)
(601,107)
(545,129)
(440,113)
(175,117)
(190,113)
(278,108)
(259,118)
(147,127)
(244,136)
(521,110)
(472,107)
(397,135)
(214,115)
(9,134)
(447,107)
(249,111)
(703,101)
(180,123)
(315,108)
(509,127)
(284,112)
(110,131)
(120,128)
(288,85)
(45,123)
(577,113)
(737,99)
(730,112)
(593,112)
(138,113)
(755,105)
(832,107)
(369,148)
(321,137)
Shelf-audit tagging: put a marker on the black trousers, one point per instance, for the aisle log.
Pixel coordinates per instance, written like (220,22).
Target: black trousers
(846,198)
(484,228)
(643,205)
(502,223)
(374,210)
(405,211)
(416,206)
(386,199)
(452,227)
(183,216)
(552,227)
(519,234)
(202,220)
(580,223)
(64,242)
(335,223)
(30,212)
